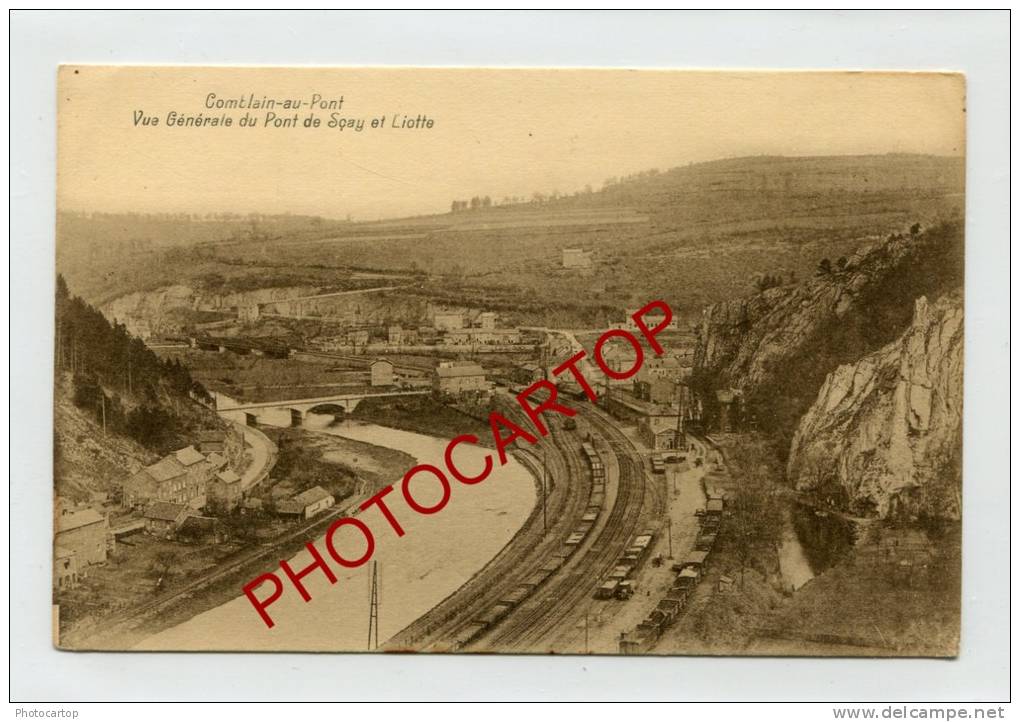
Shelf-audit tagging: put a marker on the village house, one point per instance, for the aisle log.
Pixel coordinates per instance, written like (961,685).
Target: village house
(449,378)
(306,504)
(394,335)
(381,373)
(656,390)
(83,534)
(659,432)
(486,320)
(163,518)
(358,337)
(179,478)
(66,571)
(216,461)
(248,312)
(225,488)
(731,407)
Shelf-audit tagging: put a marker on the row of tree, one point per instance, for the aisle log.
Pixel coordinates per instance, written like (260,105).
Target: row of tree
(117,378)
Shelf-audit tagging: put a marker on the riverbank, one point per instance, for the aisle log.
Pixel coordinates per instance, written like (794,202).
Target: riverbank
(195,576)
(436,555)
(869,588)
(422,415)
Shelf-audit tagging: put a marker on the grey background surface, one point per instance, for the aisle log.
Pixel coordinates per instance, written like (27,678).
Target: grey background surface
(974,42)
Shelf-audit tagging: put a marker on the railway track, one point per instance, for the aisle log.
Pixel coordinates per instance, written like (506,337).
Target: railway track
(523,556)
(533,626)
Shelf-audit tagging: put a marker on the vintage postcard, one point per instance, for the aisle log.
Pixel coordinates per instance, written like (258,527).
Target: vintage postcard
(508,361)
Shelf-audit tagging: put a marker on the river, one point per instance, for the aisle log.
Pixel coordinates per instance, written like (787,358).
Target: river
(437,555)
(811,543)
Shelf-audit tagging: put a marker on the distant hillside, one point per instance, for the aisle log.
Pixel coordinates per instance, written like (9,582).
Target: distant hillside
(693,235)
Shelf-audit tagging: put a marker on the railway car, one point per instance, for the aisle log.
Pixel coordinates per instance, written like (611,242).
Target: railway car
(621,572)
(705,542)
(467,635)
(553,565)
(670,610)
(494,614)
(516,595)
(575,538)
(535,580)
(607,590)
(643,540)
(591,514)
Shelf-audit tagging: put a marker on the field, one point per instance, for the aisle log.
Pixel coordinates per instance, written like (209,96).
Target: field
(691,235)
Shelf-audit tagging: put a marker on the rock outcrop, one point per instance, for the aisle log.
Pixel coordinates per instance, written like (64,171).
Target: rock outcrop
(887,430)
(744,342)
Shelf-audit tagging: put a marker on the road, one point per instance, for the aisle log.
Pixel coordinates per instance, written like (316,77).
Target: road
(263,456)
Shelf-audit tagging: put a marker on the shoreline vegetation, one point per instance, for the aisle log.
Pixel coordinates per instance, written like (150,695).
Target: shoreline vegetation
(147,571)
(894,591)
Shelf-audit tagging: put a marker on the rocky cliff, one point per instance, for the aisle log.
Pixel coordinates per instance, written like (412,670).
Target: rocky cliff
(744,342)
(887,430)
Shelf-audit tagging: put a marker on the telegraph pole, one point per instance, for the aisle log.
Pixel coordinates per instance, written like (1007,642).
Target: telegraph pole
(373,609)
(586,633)
(669,533)
(545,522)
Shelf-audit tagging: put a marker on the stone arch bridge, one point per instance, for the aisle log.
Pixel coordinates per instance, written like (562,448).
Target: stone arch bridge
(292,411)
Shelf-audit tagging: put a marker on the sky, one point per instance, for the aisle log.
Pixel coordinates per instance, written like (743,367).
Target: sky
(500,133)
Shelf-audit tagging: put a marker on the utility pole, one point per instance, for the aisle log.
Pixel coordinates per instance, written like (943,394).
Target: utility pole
(373,609)
(669,534)
(545,521)
(102,397)
(586,633)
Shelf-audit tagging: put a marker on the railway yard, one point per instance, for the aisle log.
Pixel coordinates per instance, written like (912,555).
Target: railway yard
(583,572)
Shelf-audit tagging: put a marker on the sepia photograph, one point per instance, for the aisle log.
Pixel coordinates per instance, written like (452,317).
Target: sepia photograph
(508,361)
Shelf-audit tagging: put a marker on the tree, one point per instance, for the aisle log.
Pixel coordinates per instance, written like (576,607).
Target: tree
(841,263)
(915,229)
(756,521)
(824,267)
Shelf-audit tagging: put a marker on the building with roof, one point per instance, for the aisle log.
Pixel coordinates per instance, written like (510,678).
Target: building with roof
(659,431)
(656,390)
(225,488)
(163,518)
(459,378)
(83,532)
(66,569)
(216,461)
(731,408)
(248,312)
(380,373)
(178,478)
(306,504)
(486,320)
